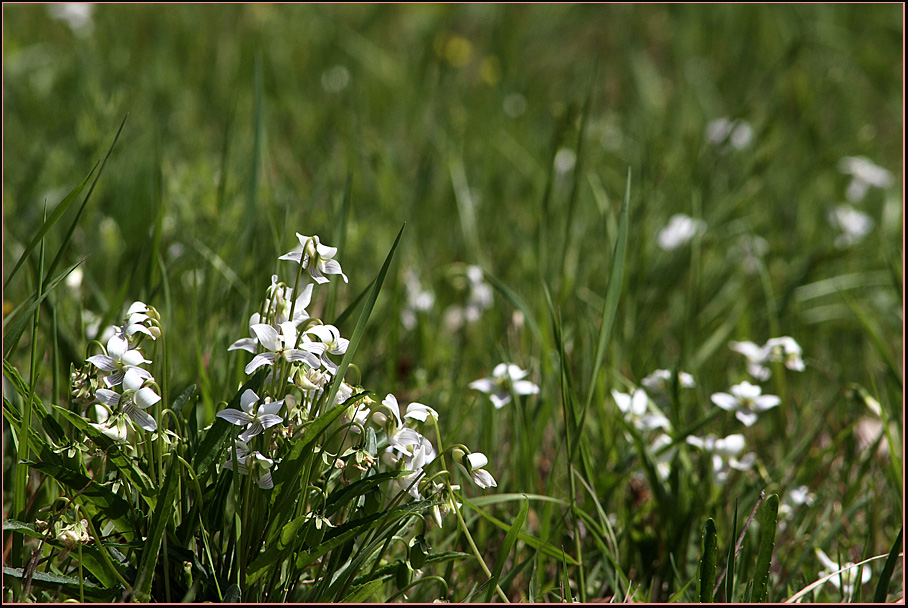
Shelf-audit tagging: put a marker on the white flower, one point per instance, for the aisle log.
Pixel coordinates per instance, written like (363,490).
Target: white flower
(785,349)
(853,224)
(745,401)
(723,453)
(334,343)
(281,345)
(474,464)
(134,399)
(420,412)
(663,455)
(634,409)
(118,359)
(255,421)
(77,15)
(738,132)
(658,382)
(315,258)
(794,498)
(846,579)
(864,175)
(681,229)
(756,359)
(418,300)
(505,376)
(480,294)
(252,462)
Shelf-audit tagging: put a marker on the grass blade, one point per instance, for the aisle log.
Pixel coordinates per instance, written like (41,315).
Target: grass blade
(768,523)
(882,586)
(509,540)
(159,521)
(707,575)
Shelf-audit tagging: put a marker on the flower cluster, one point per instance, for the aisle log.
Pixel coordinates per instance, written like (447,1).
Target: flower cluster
(129,389)
(783,349)
(302,355)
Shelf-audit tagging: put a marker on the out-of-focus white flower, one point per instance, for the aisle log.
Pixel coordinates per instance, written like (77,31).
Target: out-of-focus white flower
(794,498)
(864,175)
(680,229)
(634,408)
(745,401)
(77,15)
(724,454)
(565,159)
(505,376)
(739,133)
(480,294)
(662,456)
(514,105)
(853,224)
(785,349)
(756,359)
(418,300)
(657,383)
(846,579)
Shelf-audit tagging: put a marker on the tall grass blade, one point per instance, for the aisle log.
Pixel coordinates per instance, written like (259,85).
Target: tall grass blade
(768,521)
(509,540)
(882,587)
(708,558)
(159,521)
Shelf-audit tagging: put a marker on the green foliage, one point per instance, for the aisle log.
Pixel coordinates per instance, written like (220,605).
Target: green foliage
(504,138)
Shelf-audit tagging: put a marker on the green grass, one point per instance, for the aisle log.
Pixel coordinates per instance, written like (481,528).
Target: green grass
(547,145)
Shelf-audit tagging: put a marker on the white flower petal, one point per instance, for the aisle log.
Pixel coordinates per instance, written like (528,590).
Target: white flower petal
(765,402)
(260,360)
(499,400)
(235,417)
(145,397)
(247,344)
(103,362)
(141,418)
(485,385)
(746,417)
(268,336)
(725,401)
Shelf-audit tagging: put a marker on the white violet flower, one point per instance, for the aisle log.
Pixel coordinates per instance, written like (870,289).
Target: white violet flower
(315,258)
(505,376)
(681,229)
(255,420)
(745,400)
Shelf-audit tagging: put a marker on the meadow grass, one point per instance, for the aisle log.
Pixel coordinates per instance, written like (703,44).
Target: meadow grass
(535,156)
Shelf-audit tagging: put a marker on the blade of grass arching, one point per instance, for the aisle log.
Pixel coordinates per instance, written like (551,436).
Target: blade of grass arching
(352,306)
(882,585)
(18,323)
(159,521)
(835,575)
(539,545)
(707,572)
(20,483)
(768,523)
(72,227)
(517,302)
(873,332)
(612,295)
(466,208)
(48,223)
(510,539)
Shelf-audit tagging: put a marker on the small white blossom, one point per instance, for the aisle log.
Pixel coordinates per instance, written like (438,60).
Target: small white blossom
(334,343)
(745,401)
(316,258)
(505,376)
(845,580)
(135,398)
(281,345)
(118,359)
(255,420)
(474,464)
(785,349)
(634,408)
(723,453)
(853,224)
(756,359)
(738,132)
(251,462)
(681,229)
(864,175)
(659,381)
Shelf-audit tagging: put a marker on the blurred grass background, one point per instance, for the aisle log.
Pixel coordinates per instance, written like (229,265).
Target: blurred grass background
(245,123)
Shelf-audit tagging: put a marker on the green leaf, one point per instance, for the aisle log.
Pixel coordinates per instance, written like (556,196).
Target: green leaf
(112,506)
(18,321)
(707,576)
(730,565)
(159,521)
(362,593)
(882,586)
(233,595)
(128,468)
(70,584)
(768,521)
(532,541)
(509,540)
(48,224)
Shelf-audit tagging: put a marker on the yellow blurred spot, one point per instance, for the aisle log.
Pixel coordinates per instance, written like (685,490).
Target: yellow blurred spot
(7,308)
(490,70)
(458,51)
